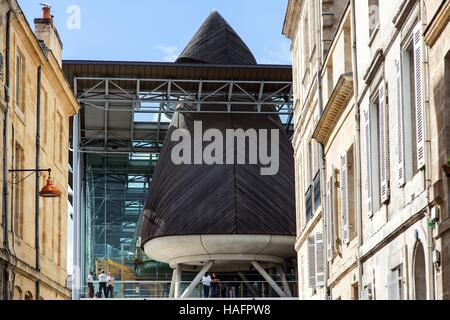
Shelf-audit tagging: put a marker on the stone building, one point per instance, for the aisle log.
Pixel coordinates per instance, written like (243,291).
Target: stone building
(371,148)
(33,264)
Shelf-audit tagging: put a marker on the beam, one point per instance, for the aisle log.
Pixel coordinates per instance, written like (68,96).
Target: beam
(248,285)
(196,280)
(267,277)
(286,288)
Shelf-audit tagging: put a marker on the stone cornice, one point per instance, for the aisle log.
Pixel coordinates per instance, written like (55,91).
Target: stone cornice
(438,24)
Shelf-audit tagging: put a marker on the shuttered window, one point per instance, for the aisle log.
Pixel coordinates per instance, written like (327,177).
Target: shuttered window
(383,117)
(418,79)
(395,284)
(320,261)
(345,200)
(401,174)
(330,222)
(312,261)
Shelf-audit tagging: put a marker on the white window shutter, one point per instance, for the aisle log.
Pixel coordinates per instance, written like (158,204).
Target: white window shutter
(369,166)
(400,128)
(384,143)
(344,199)
(320,263)
(419,89)
(312,261)
(330,222)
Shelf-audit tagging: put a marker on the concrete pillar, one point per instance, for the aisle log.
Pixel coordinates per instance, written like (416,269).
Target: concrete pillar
(177,290)
(248,285)
(286,288)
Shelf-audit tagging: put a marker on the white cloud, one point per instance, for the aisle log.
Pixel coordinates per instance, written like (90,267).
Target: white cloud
(170,53)
(277,54)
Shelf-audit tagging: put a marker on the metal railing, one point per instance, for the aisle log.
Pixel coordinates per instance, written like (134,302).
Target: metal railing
(161,290)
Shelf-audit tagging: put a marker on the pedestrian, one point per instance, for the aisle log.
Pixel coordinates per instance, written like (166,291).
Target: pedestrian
(90,284)
(110,286)
(233,288)
(215,286)
(102,281)
(206,281)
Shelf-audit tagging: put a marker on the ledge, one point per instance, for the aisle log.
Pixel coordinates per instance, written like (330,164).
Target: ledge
(438,24)
(334,108)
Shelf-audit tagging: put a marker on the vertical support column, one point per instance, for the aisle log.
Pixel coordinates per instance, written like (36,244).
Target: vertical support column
(177,290)
(76,227)
(172,284)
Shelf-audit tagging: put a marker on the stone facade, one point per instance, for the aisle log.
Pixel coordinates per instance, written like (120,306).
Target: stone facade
(18,103)
(371,146)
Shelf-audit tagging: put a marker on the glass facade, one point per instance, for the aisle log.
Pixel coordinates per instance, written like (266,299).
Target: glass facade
(116,187)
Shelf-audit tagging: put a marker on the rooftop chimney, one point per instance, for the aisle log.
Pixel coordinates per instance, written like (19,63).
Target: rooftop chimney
(46,32)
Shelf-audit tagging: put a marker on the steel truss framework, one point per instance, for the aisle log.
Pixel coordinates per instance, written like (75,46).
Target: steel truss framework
(130,115)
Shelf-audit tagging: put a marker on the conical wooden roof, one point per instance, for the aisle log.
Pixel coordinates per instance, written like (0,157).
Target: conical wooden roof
(216,43)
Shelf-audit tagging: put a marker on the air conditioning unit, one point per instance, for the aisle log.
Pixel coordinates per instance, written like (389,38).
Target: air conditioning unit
(435,214)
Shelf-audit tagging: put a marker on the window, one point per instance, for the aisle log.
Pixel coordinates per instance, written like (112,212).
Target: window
(19,82)
(316,260)
(44,116)
(59,213)
(337,211)
(374,16)
(59,139)
(410,109)
(377,150)
(347,196)
(313,193)
(18,191)
(395,284)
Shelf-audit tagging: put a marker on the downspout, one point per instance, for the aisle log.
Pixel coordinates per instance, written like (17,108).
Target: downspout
(38,164)
(357,147)
(6,293)
(428,175)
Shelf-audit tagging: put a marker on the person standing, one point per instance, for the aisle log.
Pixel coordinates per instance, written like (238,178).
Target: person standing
(206,281)
(215,286)
(90,285)
(110,286)
(102,281)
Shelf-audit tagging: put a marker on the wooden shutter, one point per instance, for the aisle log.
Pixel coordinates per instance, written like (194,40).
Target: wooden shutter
(344,199)
(419,89)
(312,261)
(400,127)
(384,143)
(330,226)
(320,254)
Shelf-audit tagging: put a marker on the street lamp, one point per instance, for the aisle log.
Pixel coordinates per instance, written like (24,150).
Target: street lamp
(49,190)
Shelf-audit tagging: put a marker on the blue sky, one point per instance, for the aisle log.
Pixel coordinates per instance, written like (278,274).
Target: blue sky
(158,30)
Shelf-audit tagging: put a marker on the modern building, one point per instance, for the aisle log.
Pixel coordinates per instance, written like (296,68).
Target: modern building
(229,211)
(380,125)
(36,103)
(119,138)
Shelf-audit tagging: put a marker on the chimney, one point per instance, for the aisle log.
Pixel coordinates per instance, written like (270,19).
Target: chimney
(47,34)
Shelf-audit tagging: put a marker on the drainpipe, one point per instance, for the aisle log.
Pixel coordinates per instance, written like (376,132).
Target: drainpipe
(428,178)
(38,164)
(6,293)
(357,147)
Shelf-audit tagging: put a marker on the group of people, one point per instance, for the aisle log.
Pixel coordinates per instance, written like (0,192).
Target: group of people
(213,288)
(105,285)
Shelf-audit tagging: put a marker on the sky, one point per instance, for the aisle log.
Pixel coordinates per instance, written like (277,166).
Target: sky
(158,30)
